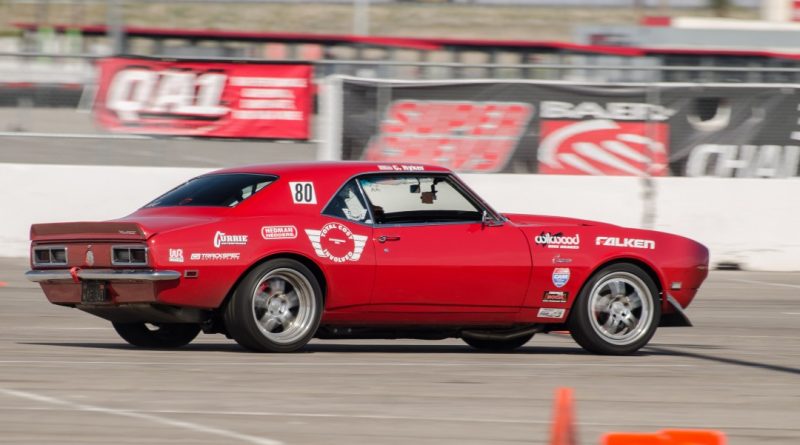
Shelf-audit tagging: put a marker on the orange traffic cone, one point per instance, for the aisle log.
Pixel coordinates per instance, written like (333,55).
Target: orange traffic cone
(563,432)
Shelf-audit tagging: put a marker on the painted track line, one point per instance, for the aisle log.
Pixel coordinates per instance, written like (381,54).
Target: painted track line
(140,416)
(766,283)
(340,364)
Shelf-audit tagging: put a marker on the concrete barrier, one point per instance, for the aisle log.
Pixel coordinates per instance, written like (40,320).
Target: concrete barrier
(749,222)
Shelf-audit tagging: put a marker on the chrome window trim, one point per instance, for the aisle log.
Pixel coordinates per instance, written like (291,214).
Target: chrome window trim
(49,247)
(129,247)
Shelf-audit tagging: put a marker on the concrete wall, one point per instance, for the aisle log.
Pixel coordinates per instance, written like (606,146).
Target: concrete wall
(751,222)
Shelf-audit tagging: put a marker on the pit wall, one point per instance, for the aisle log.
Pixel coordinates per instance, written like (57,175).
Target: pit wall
(752,223)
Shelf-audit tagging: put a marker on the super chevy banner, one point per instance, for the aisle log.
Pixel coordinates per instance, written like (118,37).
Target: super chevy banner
(204,98)
(575,129)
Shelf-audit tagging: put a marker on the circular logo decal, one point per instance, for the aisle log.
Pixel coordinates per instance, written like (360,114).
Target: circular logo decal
(337,242)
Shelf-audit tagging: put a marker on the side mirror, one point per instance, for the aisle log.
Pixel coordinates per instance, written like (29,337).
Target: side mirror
(488,220)
(414,188)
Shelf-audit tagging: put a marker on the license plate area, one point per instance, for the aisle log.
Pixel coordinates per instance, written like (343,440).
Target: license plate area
(94,292)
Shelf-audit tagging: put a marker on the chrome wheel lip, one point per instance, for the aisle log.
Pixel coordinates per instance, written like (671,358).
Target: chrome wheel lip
(633,305)
(278,305)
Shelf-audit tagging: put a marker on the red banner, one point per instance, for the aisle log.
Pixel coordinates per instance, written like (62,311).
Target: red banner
(197,98)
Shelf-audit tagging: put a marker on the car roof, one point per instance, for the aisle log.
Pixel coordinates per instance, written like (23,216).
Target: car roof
(340,169)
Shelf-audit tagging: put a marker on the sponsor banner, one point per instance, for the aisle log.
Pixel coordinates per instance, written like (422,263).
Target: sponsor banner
(576,129)
(203,98)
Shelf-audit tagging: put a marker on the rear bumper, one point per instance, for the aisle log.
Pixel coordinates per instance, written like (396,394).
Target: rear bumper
(38,276)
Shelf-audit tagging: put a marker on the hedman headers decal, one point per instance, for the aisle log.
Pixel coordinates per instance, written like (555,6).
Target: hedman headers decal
(337,243)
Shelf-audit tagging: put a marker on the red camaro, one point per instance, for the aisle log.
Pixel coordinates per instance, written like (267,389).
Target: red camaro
(276,255)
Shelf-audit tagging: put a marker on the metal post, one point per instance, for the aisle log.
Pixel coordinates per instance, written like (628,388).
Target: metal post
(115,26)
(361,17)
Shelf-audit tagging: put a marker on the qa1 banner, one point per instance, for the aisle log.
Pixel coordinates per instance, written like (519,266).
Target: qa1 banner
(203,98)
(575,129)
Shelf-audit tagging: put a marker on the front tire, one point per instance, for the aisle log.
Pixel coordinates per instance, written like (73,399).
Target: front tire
(617,311)
(161,335)
(498,345)
(276,308)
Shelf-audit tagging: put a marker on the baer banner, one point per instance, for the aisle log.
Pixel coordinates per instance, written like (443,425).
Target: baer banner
(204,98)
(574,129)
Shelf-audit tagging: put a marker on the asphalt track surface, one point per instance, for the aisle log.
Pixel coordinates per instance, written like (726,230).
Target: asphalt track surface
(66,378)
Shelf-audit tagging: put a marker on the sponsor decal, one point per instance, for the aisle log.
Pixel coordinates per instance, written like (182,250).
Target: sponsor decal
(223,239)
(559,260)
(744,161)
(603,147)
(214,256)
(337,242)
(625,242)
(560,276)
(195,98)
(401,168)
(553,296)
(460,134)
(175,255)
(279,232)
(303,192)
(547,312)
(127,232)
(557,240)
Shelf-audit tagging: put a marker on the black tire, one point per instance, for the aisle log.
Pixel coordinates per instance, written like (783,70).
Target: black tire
(251,320)
(161,335)
(608,332)
(498,345)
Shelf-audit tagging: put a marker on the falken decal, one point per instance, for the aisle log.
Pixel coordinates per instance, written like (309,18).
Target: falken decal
(624,242)
(337,243)
(560,276)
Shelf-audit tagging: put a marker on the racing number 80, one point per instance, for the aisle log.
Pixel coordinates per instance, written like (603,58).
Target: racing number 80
(303,192)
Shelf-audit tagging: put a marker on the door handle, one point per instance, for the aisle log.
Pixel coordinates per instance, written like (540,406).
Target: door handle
(384,238)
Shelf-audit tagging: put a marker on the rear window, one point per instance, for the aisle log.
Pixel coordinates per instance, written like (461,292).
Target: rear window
(224,190)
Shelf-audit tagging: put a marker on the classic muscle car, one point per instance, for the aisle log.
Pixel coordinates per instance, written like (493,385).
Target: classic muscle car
(275,255)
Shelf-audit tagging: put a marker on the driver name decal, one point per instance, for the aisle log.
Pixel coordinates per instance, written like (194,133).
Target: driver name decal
(337,242)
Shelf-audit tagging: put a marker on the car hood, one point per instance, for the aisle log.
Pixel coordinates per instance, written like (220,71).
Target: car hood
(545,220)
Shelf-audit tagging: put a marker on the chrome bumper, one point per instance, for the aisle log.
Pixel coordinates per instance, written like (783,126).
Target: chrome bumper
(38,276)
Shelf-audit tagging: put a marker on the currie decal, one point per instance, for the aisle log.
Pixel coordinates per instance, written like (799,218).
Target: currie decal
(547,312)
(625,242)
(337,243)
(175,255)
(223,239)
(214,256)
(279,232)
(560,276)
(557,240)
(554,296)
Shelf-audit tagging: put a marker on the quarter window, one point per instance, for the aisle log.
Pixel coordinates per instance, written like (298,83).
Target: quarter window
(417,199)
(349,204)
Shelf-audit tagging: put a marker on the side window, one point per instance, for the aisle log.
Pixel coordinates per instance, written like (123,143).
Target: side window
(416,199)
(348,204)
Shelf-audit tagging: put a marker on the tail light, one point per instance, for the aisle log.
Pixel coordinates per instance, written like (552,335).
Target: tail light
(50,256)
(133,255)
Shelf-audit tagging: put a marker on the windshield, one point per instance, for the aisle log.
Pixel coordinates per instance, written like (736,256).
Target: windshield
(223,190)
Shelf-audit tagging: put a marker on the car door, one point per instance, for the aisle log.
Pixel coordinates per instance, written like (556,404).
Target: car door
(433,251)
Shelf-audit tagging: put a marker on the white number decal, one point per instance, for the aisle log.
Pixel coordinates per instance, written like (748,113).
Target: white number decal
(303,192)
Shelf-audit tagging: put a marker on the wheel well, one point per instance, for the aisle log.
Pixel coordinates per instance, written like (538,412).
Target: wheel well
(312,266)
(641,264)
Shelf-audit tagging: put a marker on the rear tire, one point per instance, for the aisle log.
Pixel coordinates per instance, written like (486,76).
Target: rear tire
(498,345)
(277,307)
(617,311)
(162,335)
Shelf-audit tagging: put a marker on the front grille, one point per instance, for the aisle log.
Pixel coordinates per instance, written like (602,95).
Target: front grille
(50,256)
(133,255)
